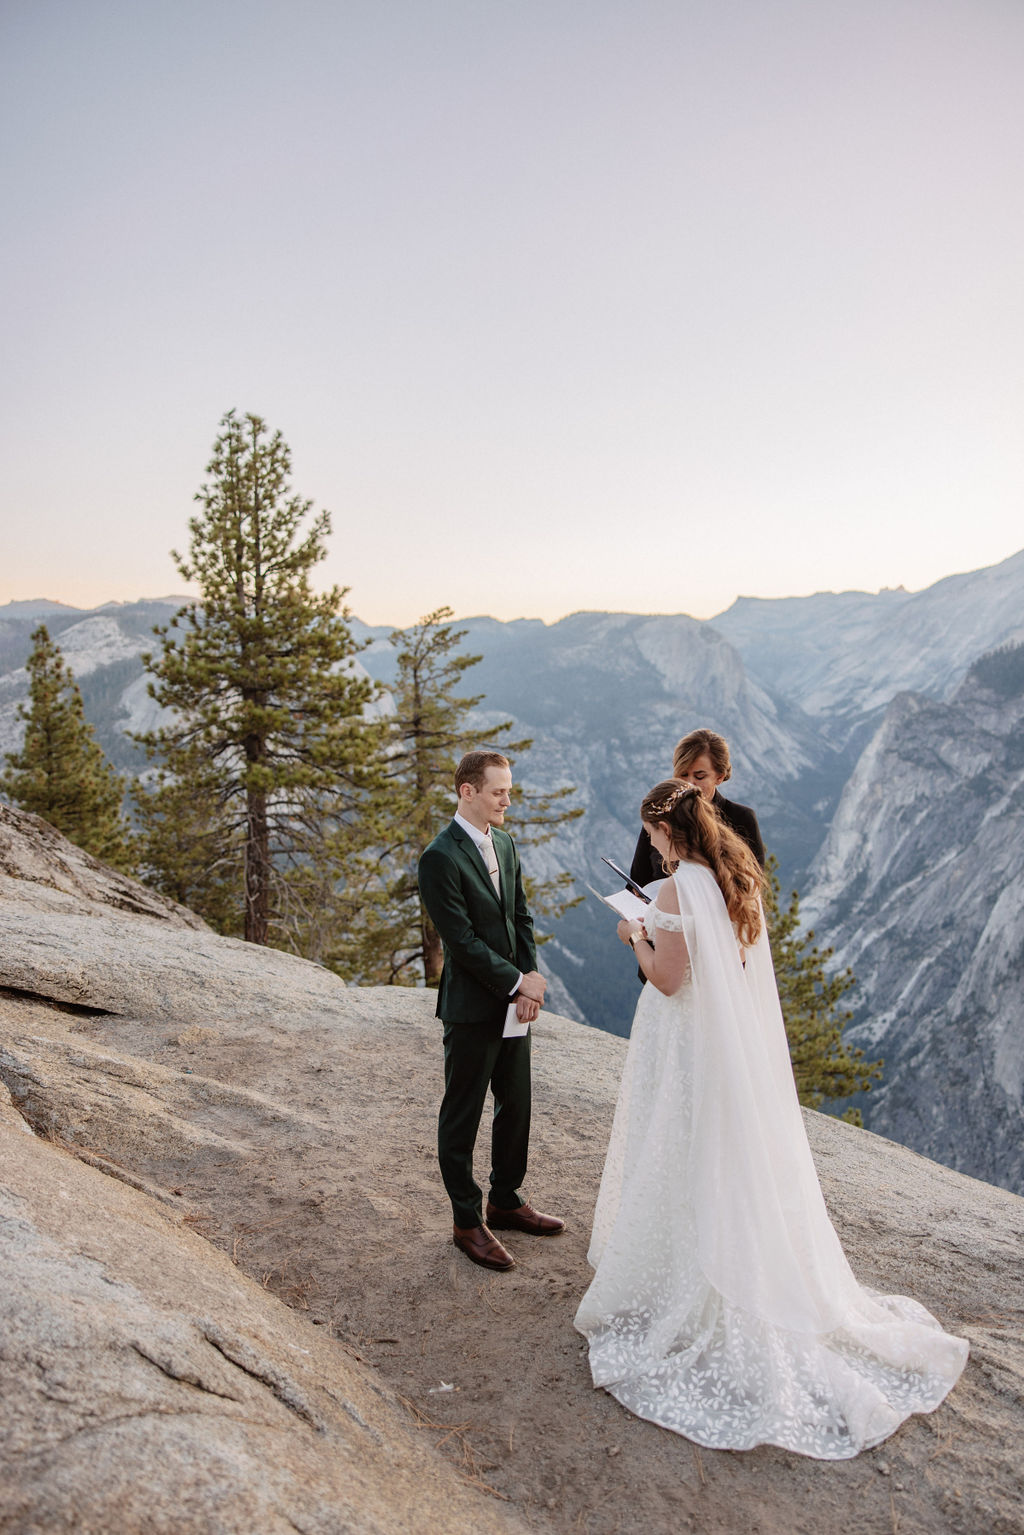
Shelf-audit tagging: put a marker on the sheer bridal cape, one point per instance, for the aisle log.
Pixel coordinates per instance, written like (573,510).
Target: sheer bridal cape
(722,1305)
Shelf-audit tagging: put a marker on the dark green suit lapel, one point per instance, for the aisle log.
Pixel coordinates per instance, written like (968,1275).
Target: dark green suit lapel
(506,857)
(469,856)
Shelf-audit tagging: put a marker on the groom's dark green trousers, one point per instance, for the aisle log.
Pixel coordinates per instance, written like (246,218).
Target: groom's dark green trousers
(488,941)
(475,1058)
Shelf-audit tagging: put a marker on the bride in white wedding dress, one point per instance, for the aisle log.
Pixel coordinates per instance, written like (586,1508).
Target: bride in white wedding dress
(722,1305)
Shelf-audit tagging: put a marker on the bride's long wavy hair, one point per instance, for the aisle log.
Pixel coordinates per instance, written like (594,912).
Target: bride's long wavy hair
(698,834)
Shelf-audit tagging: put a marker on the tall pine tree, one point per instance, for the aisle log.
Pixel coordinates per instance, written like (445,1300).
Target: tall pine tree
(825,1068)
(390,938)
(266,708)
(61,772)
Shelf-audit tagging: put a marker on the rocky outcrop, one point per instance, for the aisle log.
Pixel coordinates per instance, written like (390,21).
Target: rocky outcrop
(148,1385)
(42,871)
(230,1301)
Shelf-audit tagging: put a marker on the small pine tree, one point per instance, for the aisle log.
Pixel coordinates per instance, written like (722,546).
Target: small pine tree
(825,1068)
(391,938)
(61,772)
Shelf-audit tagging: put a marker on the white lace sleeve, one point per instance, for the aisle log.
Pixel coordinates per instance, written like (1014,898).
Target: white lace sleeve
(668,921)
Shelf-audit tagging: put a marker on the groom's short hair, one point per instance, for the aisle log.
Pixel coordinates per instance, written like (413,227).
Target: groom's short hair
(473,768)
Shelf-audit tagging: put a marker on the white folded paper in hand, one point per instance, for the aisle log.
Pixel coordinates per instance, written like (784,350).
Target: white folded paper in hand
(514,1025)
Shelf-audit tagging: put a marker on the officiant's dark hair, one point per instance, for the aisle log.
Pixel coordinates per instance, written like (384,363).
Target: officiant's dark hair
(701,743)
(697,831)
(473,768)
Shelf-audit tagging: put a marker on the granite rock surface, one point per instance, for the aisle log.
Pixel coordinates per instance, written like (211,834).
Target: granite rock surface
(230,1292)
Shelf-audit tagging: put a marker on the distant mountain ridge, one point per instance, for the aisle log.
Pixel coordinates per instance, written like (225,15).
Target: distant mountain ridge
(36,607)
(846,654)
(812,695)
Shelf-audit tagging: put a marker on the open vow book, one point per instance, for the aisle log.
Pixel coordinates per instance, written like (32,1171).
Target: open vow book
(625,903)
(631,903)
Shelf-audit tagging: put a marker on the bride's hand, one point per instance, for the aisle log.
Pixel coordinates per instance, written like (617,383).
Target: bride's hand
(625,929)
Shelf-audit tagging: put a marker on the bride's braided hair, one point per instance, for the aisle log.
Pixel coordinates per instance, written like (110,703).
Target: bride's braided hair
(696,831)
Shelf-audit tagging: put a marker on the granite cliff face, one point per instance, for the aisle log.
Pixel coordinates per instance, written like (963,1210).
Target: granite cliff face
(229,1301)
(919,887)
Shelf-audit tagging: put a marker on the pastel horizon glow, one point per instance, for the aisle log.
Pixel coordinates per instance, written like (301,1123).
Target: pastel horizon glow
(558,308)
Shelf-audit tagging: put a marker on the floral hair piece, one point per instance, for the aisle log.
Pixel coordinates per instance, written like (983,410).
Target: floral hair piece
(663,807)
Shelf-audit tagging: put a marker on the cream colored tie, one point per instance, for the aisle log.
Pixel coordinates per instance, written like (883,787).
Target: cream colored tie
(491,860)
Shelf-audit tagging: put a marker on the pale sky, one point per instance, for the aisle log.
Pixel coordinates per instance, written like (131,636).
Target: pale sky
(566,305)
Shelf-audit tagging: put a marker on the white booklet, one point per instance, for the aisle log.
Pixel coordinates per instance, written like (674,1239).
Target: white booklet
(514,1025)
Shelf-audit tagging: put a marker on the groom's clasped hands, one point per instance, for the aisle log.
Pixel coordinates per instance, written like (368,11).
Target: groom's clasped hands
(530,996)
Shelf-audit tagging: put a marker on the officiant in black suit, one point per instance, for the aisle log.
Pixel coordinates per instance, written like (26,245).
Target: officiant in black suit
(701,758)
(471,884)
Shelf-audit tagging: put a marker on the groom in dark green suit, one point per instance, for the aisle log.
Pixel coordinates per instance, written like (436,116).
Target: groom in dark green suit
(472,888)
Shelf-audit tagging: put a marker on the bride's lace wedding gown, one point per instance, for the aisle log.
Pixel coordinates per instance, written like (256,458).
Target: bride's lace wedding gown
(722,1305)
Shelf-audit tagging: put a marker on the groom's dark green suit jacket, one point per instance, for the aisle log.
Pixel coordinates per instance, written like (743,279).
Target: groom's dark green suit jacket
(487,940)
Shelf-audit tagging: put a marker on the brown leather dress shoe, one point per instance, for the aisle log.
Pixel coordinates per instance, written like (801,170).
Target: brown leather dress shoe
(481,1246)
(526,1218)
